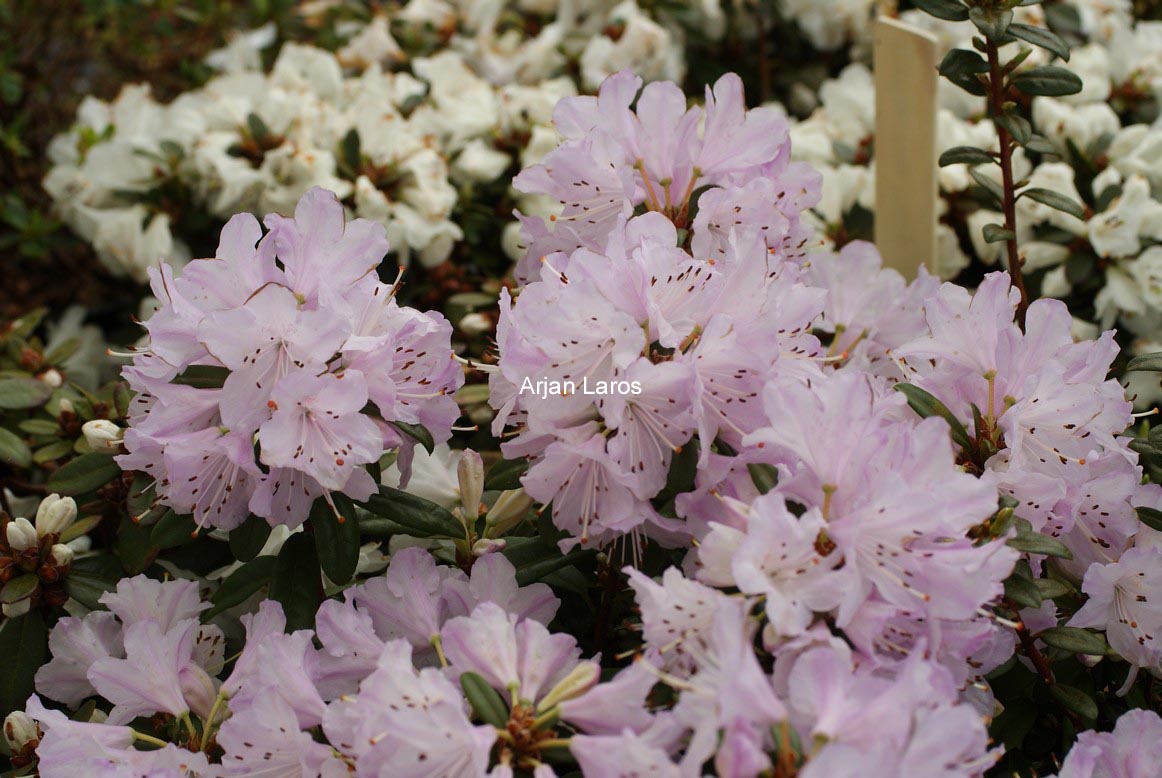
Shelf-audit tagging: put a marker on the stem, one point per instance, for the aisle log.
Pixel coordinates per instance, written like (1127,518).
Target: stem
(141,737)
(221,698)
(997,109)
(1029,648)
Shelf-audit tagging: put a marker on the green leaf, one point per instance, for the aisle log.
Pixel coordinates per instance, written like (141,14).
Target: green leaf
(927,405)
(986,183)
(86,473)
(248,538)
(1048,80)
(1055,200)
(1076,641)
(965,155)
(1075,700)
(1041,145)
(1150,517)
(1051,588)
(295,582)
(86,587)
(203,376)
(52,452)
(349,151)
(949,10)
(993,23)
(173,530)
(422,518)
(485,701)
(1036,543)
(22,393)
(1039,36)
(961,67)
(1150,362)
(505,474)
(538,570)
(995,233)
(79,527)
(1017,126)
(133,547)
(765,477)
(13,450)
(337,537)
(1022,591)
(240,585)
(19,588)
(39,427)
(418,432)
(257,127)
(24,646)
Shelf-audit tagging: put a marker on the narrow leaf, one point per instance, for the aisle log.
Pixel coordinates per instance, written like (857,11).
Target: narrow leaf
(295,582)
(1035,543)
(86,473)
(248,538)
(1022,591)
(19,588)
(1077,641)
(337,537)
(13,450)
(1075,700)
(485,701)
(418,432)
(965,155)
(506,474)
(21,393)
(995,233)
(986,183)
(173,530)
(24,646)
(203,376)
(1148,362)
(1039,36)
(241,585)
(764,476)
(1150,517)
(949,10)
(1055,200)
(927,405)
(1048,80)
(423,518)
(961,67)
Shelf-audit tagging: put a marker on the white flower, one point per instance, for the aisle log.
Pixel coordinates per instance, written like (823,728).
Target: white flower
(481,162)
(1118,231)
(1059,121)
(55,514)
(373,44)
(828,24)
(103,436)
(244,50)
(21,535)
(644,46)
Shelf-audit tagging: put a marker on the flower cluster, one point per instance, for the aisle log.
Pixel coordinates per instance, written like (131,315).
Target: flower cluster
(274,371)
(33,558)
(401,133)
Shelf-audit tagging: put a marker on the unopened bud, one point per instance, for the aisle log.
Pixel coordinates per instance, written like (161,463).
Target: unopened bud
(581,679)
(471,474)
(488,546)
(475,324)
(103,436)
(508,511)
(52,377)
(20,730)
(60,555)
(15,609)
(198,688)
(21,535)
(55,514)
(66,406)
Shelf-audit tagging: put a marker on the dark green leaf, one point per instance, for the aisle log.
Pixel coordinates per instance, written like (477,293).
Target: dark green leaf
(173,530)
(1064,18)
(39,427)
(79,527)
(1051,588)
(1039,36)
(257,127)
(485,701)
(765,477)
(1150,362)
(986,183)
(19,588)
(1041,146)
(992,22)
(203,376)
(295,581)
(86,473)
(248,538)
(21,393)
(927,405)
(1075,700)
(961,67)
(995,233)
(949,10)
(1017,126)
(52,452)
(505,474)
(87,587)
(1022,591)
(1036,543)
(337,537)
(423,518)
(418,432)
(24,646)
(1150,517)
(240,585)
(965,155)
(1055,200)
(1048,80)
(13,450)
(1076,641)
(133,547)
(538,570)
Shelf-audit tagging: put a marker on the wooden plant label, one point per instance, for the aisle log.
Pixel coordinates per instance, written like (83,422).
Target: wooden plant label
(905,145)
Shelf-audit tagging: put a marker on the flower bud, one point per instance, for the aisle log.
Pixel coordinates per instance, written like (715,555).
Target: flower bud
(580,679)
(66,406)
(15,609)
(103,436)
(471,474)
(475,324)
(20,730)
(55,514)
(488,546)
(21,535)
(508,511)
(198,688)
(52,377)
(60,555)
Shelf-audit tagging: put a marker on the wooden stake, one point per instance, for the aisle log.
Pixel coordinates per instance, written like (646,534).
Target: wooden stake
(905,145)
